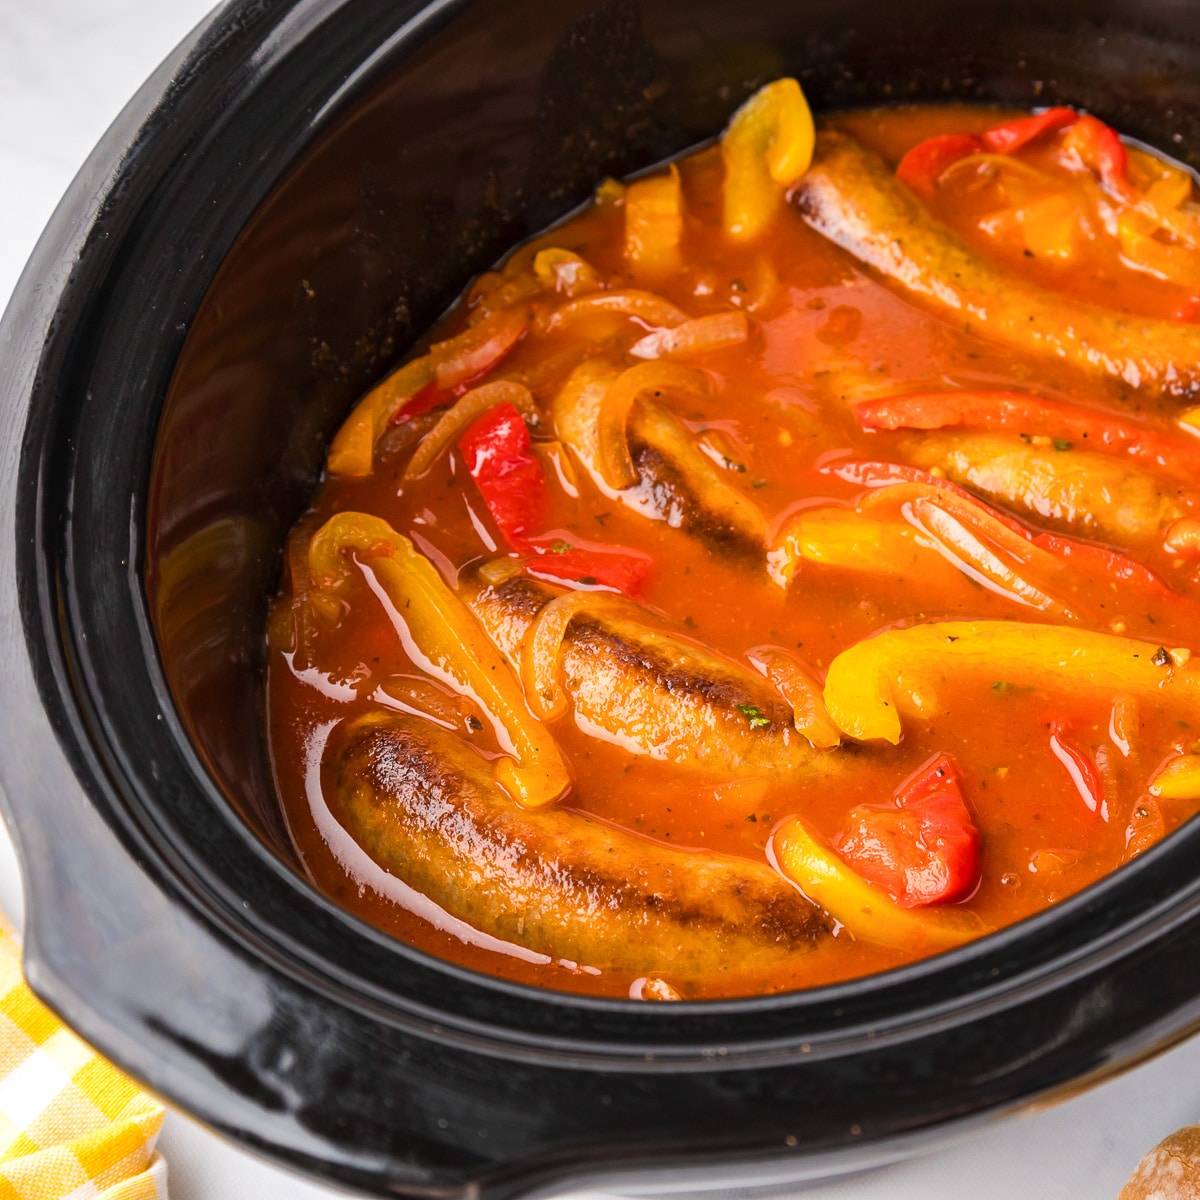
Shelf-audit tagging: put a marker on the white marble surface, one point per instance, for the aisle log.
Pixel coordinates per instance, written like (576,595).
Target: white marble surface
(66,68)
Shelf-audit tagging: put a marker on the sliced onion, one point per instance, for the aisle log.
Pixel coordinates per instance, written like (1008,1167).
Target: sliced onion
(699,336)
(353,448)
(977,543)
(470,406)
(612,437)
(565,272)
(541,648)
(1001,162)
(627,302)
(802,692)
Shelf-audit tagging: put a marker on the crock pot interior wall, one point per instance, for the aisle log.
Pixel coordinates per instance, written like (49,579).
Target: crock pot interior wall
(496,125)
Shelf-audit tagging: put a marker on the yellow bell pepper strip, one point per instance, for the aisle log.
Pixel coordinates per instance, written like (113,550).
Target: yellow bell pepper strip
(353,447)
(766,147)
(473,404)
(443,638)
(654,225)
(1178,779)
(898,673)
(866,911)
(845,539)
(802,692)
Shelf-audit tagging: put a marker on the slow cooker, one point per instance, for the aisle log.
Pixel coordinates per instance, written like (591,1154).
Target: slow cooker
(280,211)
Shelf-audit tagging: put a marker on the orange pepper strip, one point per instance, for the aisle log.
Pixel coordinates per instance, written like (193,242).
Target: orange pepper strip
(766,147)
(654,225)
(898,673)
(1178,779)
(866,911)
(802,692)
(445,640)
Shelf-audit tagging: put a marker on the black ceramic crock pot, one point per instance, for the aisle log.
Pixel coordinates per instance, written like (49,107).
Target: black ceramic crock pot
(300,190)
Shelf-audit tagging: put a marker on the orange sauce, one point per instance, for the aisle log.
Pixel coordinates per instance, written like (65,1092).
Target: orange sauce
(824,334)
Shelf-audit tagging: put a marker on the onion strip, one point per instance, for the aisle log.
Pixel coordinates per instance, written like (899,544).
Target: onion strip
(470,406)
(565,272)
(802,692)
(627,302)
(698,336)
(614,461)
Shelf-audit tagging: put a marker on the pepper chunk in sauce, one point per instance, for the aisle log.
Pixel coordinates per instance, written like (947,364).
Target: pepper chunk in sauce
(783,569)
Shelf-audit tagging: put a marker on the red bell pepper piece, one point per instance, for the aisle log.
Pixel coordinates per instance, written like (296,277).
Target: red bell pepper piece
(1080,767)
(921,167)
(1010,136)
(1100,148)
(923,848)
(425,400)
(623,571)
(1022,413)
(497,452)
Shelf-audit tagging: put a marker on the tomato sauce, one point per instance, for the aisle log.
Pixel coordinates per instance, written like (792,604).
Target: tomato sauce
(1056,779)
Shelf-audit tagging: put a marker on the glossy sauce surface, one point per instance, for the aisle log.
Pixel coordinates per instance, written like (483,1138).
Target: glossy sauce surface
(824,335)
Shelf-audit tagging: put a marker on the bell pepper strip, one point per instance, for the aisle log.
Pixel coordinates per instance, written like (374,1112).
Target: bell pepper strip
(701,335)
(922,166)
(627,302)
(1100,149)
(1010,136)
(766,147)
(921,849)
(1081,767)
(847,540)
(445,640)
(497,452)
(897,673)
(614,460)
(478,349)
(1177,779)
(867,912)
(565,272)
(1031,416)
(353,447)
(654,225)
(614,569)
(1173,261)
(801,691)
(467,409)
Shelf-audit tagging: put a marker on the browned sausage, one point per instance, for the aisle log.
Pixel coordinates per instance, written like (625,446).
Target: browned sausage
(423,805)
(851,197)
(659,695)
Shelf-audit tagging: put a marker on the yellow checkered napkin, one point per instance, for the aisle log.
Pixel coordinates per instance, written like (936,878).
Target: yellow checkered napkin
(72,1127)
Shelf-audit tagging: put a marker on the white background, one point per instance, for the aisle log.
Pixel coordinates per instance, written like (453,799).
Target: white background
(66,69)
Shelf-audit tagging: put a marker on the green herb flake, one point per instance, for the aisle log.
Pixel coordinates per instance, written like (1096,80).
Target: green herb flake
(560,547)
(759,483)
(1002,685)
(1063,444)
(753,715)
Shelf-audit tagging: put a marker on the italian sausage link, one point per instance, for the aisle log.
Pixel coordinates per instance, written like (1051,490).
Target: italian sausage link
(851,197)
(660,696)
(422,804)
